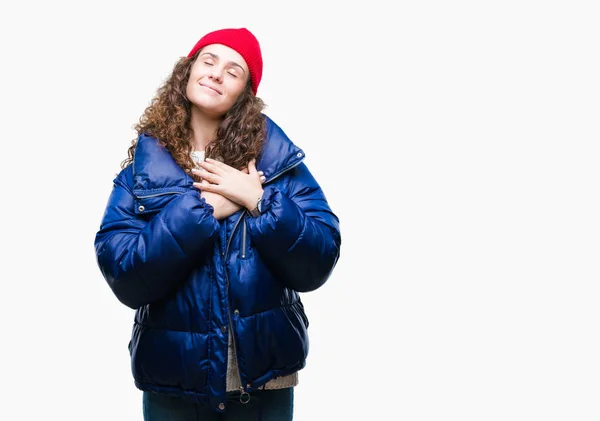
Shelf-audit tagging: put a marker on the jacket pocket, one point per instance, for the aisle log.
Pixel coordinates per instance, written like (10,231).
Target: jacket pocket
(151,202)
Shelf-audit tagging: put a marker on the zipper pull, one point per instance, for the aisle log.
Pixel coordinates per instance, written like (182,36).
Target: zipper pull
(244,396)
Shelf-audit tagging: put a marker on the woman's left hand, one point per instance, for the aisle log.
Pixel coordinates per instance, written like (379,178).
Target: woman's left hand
(241,187)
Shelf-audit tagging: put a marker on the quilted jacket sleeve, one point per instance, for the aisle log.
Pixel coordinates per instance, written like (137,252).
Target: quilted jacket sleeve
(297,234)
(142,260)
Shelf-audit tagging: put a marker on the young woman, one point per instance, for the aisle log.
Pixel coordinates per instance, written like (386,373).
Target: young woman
(213,228)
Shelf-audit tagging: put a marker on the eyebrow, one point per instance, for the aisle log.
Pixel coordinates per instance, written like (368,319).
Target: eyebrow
(233,63)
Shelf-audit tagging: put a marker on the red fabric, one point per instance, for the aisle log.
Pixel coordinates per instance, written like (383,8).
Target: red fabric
(242,41)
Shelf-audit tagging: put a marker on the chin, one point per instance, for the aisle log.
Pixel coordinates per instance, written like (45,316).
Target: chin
(209,108)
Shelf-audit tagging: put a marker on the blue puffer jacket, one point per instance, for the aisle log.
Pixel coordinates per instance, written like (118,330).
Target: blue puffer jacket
(192,278)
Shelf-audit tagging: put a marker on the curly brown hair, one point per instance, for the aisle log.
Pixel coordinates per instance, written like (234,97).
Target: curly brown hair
(240,135)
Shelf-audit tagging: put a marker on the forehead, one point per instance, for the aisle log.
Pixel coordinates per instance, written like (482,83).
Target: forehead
(225,53)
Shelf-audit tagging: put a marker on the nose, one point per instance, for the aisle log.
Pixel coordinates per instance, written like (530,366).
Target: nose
(217,74)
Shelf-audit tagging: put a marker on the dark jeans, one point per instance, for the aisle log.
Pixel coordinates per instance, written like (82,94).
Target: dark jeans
(264,405)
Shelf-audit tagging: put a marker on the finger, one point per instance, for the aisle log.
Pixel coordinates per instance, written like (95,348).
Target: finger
(212,168)
(200,184)
(252,166)
(263,178)
(206,186)
(209,176)
(198,172)
(261,173)
(218,164)
(195,174)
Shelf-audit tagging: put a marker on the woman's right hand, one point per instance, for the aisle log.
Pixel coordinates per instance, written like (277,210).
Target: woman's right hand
(223,207)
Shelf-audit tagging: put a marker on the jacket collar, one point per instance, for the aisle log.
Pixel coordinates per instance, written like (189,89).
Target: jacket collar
(154,169)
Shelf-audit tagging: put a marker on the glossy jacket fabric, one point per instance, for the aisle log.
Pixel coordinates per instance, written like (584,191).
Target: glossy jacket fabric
(192,278)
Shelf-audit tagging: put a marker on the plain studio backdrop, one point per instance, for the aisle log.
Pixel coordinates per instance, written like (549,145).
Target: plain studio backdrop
(456,141)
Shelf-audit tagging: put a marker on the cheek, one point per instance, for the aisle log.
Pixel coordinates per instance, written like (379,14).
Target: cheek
(195,75)
(192,81)
(188,88)
(237,88)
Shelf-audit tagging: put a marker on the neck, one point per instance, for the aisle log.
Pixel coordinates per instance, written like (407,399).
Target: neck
(204,129)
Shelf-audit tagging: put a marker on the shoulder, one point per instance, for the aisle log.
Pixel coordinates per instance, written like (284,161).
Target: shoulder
(125,177)
(279,153)
(275,134)
(147,145)
(301,177)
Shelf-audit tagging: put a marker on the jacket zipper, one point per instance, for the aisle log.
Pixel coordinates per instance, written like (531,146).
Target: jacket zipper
(244,396)
(158,194)
(244,240)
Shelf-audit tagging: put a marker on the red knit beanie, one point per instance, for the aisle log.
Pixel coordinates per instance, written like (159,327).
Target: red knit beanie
(242,41)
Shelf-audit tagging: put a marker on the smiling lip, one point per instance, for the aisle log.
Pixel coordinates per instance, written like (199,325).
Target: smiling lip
(210,87)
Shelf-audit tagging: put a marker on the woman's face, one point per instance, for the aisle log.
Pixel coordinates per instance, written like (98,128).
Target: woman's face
(217,78)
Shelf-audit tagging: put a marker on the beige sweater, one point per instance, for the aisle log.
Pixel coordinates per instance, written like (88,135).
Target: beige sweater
(233,378)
